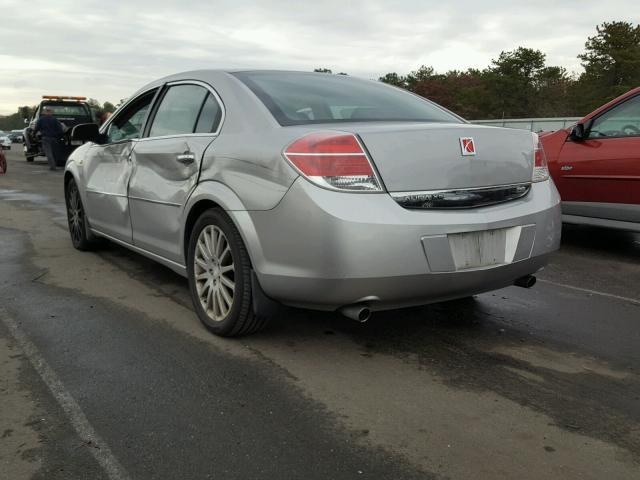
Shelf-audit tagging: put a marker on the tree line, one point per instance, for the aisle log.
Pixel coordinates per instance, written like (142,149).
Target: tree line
(519,83)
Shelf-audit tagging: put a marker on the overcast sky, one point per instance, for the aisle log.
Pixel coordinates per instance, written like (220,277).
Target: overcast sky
(108,49)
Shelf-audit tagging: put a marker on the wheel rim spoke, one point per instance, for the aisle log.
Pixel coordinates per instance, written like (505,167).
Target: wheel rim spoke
(214,273)
(227,268)
(207,244)
(228,282)
(201,263)
(225,295)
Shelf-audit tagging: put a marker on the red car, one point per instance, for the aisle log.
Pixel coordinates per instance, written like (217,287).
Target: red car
(3,163)
(596,165)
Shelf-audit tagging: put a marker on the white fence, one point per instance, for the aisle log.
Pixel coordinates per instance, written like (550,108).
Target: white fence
(533,124)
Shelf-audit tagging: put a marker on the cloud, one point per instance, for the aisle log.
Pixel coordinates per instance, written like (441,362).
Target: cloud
(107,50)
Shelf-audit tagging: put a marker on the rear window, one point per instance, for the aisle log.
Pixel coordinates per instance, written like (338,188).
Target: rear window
(67,109)
(307,98)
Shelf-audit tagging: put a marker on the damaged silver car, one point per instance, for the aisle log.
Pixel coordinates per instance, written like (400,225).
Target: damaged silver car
(312,190)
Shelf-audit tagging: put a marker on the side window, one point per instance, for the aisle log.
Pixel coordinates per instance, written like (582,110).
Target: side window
(129,122)
(621,121)
(178,111)
(210,116)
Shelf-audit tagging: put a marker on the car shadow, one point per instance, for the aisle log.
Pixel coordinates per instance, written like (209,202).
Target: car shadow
(609,242)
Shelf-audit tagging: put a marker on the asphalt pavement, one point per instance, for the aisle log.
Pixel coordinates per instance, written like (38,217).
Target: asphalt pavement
(106,373)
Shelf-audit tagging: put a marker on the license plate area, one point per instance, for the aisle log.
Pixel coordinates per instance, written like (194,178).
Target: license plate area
(484,248)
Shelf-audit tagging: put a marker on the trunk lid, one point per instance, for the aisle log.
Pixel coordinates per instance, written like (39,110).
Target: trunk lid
(419,157)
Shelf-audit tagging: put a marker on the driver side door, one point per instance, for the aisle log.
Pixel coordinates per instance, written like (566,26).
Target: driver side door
(601,175)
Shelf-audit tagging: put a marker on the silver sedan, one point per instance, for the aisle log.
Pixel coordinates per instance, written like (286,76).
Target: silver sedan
(313,190)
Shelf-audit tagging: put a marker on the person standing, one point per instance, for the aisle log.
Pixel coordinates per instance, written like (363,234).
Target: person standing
(51,130)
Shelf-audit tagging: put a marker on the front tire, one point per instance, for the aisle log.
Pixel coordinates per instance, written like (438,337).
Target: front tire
(76,217)
(219,271)
(27,157)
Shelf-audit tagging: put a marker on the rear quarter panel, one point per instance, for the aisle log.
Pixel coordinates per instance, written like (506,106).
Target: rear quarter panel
(247,155)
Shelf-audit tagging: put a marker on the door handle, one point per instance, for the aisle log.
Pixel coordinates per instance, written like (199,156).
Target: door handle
(186,158)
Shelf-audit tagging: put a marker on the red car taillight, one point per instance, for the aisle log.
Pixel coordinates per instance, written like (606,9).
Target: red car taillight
(540,167)
(333,160)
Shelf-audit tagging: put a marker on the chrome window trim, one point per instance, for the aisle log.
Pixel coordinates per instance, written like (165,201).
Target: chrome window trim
(178,135)
(403,198)
(205,85)
(131,99)
(213,92)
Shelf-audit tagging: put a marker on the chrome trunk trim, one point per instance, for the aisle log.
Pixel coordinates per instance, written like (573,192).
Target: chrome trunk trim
(461,197)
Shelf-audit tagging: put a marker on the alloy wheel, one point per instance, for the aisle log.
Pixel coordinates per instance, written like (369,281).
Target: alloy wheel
(214,273)
(75,214)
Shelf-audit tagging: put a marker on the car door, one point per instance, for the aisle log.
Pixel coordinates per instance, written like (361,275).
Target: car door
(107,170)
(600,175)
(167,164)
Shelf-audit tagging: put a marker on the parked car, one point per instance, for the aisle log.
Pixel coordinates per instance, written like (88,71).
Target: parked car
(313,190)
(596,165)
(16,136)
(5,141)
(71,111)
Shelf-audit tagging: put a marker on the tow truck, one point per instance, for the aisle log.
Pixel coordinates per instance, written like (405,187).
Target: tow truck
(70,110)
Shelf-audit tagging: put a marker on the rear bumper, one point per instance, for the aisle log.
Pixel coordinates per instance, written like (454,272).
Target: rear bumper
(323,249)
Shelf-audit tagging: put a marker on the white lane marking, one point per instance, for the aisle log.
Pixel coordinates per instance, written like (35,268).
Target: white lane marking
(99,449)
(594,292)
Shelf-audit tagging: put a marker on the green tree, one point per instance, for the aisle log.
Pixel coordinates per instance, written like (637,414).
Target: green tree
(611,62)
(512,82)
(94,104)
(422,75)
(393,78)
(555,89)
(322,70)
(25,112)
(15,121)
(108,107)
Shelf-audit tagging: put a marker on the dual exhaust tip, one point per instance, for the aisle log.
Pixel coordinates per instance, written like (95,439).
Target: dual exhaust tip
(361,313)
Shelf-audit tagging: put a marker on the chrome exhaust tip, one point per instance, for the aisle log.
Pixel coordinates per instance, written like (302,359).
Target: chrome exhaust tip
(359,313)
(527,281)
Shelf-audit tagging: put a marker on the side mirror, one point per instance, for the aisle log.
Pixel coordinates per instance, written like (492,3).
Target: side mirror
(577,132)
(580,131)
(86,132)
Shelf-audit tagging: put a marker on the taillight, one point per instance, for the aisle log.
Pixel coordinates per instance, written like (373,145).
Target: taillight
(540,167)
(333,160)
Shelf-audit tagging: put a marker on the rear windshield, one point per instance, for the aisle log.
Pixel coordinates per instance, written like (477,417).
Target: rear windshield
(306,98)
(67,109)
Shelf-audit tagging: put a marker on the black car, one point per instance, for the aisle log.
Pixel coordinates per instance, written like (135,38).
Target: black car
(71,111)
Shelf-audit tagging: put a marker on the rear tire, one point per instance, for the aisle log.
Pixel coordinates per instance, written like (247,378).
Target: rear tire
(219,272)
(78,227)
